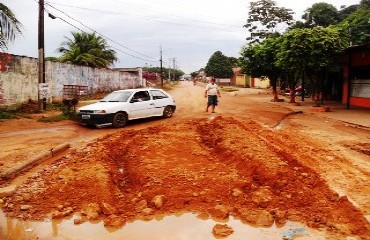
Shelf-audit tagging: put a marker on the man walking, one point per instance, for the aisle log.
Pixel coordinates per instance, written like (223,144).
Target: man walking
(212,92)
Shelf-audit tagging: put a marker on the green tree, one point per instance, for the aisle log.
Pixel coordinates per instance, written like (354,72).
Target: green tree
(345,12)
(298,24)
(10,27)
(52,59)
(365,4)
(219,66)
(313,51)
(166,71)
(259,59)
(321,14)
(178,73)
(233,62)
(194,74)
(87,49)
(358,26)
(264,18)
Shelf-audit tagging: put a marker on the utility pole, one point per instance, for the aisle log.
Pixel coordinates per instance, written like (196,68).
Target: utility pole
(41,44)
(161,61)
(169,69)
(174,69)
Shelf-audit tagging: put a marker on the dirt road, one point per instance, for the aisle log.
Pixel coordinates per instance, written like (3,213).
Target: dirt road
(253,160)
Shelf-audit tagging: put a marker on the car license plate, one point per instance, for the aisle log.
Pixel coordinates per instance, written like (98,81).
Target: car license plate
(85,117)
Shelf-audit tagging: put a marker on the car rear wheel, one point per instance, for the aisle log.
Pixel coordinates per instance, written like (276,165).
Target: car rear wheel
(167,112)
(119,120)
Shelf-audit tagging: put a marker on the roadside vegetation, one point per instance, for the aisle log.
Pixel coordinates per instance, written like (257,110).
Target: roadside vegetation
(12,114)
(305,51)
(10,27)
(86,49)
(66,113)
(29,109)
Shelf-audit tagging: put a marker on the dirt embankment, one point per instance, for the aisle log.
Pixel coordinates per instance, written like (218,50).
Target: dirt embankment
(216,168)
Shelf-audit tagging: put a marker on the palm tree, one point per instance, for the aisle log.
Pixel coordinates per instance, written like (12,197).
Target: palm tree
(9,26)
(87,49)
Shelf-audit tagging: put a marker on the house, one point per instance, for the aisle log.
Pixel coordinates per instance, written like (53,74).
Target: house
(356,75)
(239,78)
(242,80)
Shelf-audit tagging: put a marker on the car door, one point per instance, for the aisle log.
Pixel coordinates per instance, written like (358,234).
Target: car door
(160,100)
(141,105)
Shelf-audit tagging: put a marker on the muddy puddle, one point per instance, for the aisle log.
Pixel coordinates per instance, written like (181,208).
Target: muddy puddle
(185,226)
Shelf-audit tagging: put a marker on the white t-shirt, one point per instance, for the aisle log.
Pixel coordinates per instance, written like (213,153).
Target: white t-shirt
(211,88)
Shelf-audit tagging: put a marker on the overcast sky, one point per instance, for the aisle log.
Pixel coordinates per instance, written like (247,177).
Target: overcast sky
(190,31)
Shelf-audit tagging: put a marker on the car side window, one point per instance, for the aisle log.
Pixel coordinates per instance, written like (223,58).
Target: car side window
(158,94)
(141,96)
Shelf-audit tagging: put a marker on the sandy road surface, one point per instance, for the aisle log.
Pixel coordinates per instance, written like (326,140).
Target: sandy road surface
(253,160)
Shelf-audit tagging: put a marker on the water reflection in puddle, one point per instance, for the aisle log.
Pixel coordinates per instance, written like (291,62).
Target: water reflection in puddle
(186,226)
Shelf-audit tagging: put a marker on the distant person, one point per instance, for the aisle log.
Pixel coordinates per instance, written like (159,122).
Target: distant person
(212,92)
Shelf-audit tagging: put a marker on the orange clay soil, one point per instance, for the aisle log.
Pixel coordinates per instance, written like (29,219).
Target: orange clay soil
(215,168)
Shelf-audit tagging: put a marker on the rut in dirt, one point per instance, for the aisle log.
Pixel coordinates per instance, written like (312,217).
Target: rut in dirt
(215,168)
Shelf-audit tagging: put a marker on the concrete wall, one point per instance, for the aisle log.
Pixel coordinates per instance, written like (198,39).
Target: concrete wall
(242,80)
(260,83)
(19,78)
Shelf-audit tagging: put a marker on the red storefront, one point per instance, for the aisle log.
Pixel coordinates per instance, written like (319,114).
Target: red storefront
(356,85)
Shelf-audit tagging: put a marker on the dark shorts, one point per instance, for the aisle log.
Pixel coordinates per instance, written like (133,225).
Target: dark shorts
(212,100)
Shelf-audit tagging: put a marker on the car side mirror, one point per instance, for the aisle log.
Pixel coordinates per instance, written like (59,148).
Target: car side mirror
(134,100)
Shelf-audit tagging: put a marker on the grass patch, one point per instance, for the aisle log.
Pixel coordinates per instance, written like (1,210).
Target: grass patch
(4,114)
(13,114)
(229,89)
(27,109)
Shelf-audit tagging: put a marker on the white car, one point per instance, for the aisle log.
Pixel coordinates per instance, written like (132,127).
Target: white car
(120,106)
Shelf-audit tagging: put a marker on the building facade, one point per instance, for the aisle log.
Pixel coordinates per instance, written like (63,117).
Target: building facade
(356,75)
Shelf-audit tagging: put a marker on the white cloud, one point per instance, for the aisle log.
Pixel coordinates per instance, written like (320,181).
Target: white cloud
(189,30)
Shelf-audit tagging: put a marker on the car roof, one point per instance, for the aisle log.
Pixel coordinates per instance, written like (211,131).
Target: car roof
(137,89)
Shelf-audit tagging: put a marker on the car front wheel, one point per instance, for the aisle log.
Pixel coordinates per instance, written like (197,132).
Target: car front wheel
(167,112)
(119,120)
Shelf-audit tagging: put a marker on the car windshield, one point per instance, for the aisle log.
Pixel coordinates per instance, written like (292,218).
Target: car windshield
(117,97)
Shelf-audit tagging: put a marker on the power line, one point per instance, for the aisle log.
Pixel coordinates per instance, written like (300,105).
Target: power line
(99,33)
(111,46)
(52,16)
(222,27)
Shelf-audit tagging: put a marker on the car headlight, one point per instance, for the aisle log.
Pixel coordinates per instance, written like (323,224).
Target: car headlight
(100,111)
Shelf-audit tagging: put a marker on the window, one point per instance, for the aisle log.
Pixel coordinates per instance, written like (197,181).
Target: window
(142,96)
(117,97)
(361,72)
(158,94)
